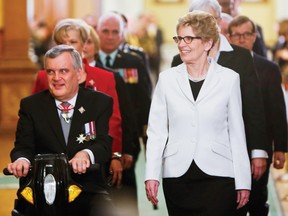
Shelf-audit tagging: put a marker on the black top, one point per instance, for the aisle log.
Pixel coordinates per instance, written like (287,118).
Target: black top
(195,87)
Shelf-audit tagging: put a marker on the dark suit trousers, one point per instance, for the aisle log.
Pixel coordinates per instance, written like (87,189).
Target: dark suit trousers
(257,205)
(198,194)
(125,197)
(92,204)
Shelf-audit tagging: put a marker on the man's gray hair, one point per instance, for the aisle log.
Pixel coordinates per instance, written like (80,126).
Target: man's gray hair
(206,5)
(59,49)
(109,15)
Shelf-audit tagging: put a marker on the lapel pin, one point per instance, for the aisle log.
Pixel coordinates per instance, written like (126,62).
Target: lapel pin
(81,110)
(92,82)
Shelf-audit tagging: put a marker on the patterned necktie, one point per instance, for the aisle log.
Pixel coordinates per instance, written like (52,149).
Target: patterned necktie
(66,113)
(108,61)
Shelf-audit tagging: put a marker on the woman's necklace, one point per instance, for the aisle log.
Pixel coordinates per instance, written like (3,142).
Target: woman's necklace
(197,79)
(202,75)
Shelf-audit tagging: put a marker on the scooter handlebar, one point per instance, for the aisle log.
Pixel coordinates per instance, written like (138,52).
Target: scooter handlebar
(93,167)
(6,172)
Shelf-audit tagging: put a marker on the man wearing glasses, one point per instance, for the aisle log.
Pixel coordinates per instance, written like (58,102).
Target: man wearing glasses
(243,33)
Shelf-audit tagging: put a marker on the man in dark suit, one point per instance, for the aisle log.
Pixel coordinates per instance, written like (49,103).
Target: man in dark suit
(242,32)
(231,7)
(240,60)
(76,30)
(128,121)
(125,47)
(110,29)
(71,120)
(91,50)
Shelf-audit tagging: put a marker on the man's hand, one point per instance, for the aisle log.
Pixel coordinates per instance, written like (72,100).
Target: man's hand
(19,168)
(80,162)
(259,166)
(116,171)
(278,160)
(127,161)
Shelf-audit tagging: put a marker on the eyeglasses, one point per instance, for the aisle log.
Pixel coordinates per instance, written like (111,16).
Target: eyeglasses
(245,35)
(186,39)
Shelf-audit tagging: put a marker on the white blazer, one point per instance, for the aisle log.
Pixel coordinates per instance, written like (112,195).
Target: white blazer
(209,130)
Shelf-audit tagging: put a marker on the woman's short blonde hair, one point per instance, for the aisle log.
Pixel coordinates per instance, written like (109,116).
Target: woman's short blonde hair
(203,24)
(64,25)
(95,38)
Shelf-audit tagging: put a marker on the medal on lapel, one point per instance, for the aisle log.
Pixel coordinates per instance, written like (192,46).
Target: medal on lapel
(89,132)
(129,75)
(81,138)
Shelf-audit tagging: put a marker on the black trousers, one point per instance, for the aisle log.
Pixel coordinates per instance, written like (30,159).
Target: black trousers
(90,204)
(125,197)
(198,194)
(257,205)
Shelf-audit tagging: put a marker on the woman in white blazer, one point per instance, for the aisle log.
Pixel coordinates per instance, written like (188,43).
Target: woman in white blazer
(196,138)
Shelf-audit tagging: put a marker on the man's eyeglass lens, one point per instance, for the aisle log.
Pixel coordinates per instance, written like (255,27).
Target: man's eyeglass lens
(187,39)
(245,35)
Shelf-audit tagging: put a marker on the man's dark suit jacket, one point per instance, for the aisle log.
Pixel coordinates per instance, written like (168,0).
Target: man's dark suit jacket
(259,45)
(140,92)
(99,80)
(39,131)
(128,48)
(129,126)
(274,105)
(240,60)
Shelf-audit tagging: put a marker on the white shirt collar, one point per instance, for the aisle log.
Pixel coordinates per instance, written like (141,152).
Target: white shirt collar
(102,56)
(92,64)
(224,44)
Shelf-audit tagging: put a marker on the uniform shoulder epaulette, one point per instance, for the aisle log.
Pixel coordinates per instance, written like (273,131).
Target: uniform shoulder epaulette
(134,53)
(135,48)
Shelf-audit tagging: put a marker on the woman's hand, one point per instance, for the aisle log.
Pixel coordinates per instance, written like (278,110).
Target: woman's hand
(242,198)
(151,187)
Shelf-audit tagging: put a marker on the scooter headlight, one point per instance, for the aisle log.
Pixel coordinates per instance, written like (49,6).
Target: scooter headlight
(27,193)
(74,192)
(49,189)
